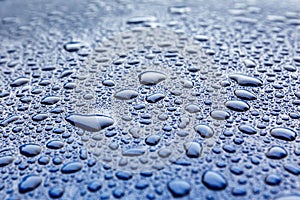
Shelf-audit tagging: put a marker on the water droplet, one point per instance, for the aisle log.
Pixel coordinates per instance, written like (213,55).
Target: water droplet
(73,46)
(220,114)
(204,130)
(126,94)
(292,168)
(6,160)
(55,144)
(239,191)
(154,98)
(179,9)
(283,134)
(276,152)
(192,108)
(39,117)
(19,82)
(141,185)
(71,167)
(151,77)
(238,106)
(290,68)
(179,188)
(133,152)
(48,67)
(9,120)
(164,152)
(201,38)
(214,180)
(123,175)
(56,192)
(30,150)
(244,80)
(94,186)
(29,183)
(247,129)
(140,20)
(50,100)
(92,123)
(245,95)
(193,149)
(152,140)
(108,83)
(273,179)
(249,63)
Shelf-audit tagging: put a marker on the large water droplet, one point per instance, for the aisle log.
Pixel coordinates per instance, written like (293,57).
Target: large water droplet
(238,106)
(50,100)
(29,183)
(123,175)
(6,160)
(19,82)
(283,133)
(55,144)
(220,114)
(56,192)
(193,149)
(30,150)
(249,63)
(151,77)
(126,94)
(247,129)
(133,152)
(71,167)
(179,188)
(244,80)
(276,152)
(73,46)
(245,95)
(92,123)
(204,130)
(154,98)
(214,180)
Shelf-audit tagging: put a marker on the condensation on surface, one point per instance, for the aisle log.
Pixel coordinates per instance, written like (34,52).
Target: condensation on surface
(149,100)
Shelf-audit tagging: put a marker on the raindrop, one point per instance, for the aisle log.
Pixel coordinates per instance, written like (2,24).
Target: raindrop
(249,63)
(276,152)
(56,192)
(220,114)
(244,80)
(244,94)
(6,160)
(126,94)
(204,130)
(154,98)
(134,152)
(238,106)
(283,133)
(151,77)
(29,183)
(214,180)
(152,140)
(50,100)
(92,123)
(55,144)
(247,129)
(73,46)
(30,150)
(19,82)
(179,188)
(71,167)
(193,149)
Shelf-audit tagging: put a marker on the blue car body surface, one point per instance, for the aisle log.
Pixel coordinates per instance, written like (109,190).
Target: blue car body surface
(149,99)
